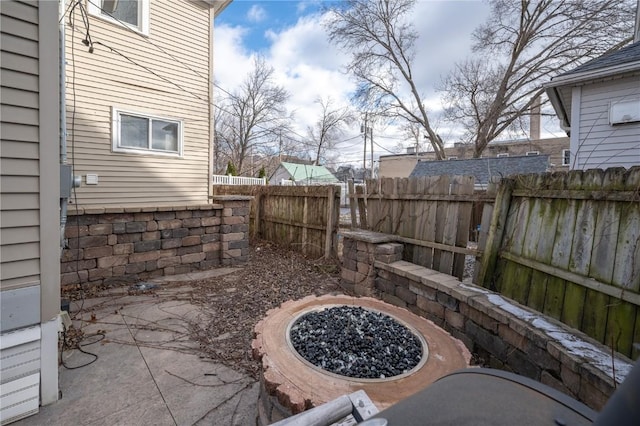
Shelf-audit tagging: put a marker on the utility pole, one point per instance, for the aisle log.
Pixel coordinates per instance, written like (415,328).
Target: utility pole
(363,130)
(371,139)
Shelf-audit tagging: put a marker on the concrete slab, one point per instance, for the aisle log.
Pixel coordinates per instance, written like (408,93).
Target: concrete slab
(147,370)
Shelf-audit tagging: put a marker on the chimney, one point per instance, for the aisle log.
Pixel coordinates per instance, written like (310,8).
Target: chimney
(636,33)
(534,119)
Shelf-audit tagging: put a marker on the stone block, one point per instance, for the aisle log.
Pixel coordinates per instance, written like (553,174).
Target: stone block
(348,275)
(365,268)
(89,241)
(232,220)
(233,237)
(166,233)
(85,219)
(196,231)
(128,238)
(169,261)
(180,233)
(242,227)
(184,214)
(570,379)
(522,364)
(387,258)
(226,212)
(142,246)
(119,228)
(119,271)
(191,223)
(99,273)
(238,244)
(210,238)
(191,240)
(143,217)
(96,252)
(151,235)
(430,306)
(385,286)
(189,250)
(349,264)
(394,300)
(364,257)
(447,301)
(72,254)
(110,261)
(455,319)
(511,337)
(388,248)
(74,277)
(152,225)
(77,265)
(193,258)
(210,221)
(144,256)
(135,268)
(406,295)
(132,227)
(212,230)
(422,290)
(592,396)
(231,254)
(112,239)
(169,224)
(486,340)
(164,215)
(171,243)
(241,211)
(73,231)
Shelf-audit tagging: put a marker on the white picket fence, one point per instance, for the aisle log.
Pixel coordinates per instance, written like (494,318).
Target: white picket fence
(237,180)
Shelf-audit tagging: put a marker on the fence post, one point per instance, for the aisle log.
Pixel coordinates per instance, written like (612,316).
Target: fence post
(257,211)
(352,204)
(362,208)
(494,231)
(330,222)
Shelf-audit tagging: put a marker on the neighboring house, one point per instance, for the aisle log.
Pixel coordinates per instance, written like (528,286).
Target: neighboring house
(557,149)
(483,169)
(29,207)
(302,174)
(139,101)
(598,104)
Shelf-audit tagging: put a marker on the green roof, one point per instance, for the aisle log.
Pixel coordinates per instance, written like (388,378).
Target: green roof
(301,172)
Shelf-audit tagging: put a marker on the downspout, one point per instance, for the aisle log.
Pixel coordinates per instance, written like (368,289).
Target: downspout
(212,141)
(63,130)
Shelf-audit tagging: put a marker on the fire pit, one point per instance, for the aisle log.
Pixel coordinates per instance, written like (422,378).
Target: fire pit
(319,348)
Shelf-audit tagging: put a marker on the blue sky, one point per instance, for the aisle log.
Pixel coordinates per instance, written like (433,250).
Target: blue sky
(290,36)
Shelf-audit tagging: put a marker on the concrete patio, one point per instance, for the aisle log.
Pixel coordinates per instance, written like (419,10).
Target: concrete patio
(147,370)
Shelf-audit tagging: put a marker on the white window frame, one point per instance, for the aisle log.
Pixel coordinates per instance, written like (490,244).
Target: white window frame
(452,158)
(502,155)
(115,134)
(532,153)
(564,163)
(143,16)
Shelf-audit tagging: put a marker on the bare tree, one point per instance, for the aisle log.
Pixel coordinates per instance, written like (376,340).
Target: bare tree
(381,41)
(528,41)
(249,120)
(326,132)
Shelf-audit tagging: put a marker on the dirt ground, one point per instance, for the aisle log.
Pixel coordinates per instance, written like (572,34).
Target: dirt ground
(234,303)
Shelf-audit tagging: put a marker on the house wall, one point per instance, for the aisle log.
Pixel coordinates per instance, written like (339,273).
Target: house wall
(403,164)
(164,74)
(29,206)
(598,144)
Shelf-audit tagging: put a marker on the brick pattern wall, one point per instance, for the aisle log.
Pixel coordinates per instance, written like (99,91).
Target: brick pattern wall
(128,244)
(501,339)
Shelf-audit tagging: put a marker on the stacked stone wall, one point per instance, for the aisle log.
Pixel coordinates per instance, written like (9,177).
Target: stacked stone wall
(115,245)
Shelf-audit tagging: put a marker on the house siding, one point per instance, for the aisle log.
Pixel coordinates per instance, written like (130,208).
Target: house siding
(20,153)
(177,51)
(599,144)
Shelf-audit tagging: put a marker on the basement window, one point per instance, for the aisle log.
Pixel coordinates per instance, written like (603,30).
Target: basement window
(133,14)
(136,133)
(452,158)
(504,154)
(532,153)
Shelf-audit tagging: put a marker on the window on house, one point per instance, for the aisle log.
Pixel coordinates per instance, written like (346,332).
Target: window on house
(504,154)
(566,157)
(530,153)
(129,13)
(452,158)
(143,134)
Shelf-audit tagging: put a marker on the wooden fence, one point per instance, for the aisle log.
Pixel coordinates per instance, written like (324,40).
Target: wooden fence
(568,245)
(431,215)
(303,217)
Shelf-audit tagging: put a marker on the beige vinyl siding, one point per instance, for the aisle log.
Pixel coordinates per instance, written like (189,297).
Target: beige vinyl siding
(602,145)
(20,151)
(166,76)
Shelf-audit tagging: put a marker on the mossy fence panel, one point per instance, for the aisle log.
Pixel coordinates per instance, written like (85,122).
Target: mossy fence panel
(568,245)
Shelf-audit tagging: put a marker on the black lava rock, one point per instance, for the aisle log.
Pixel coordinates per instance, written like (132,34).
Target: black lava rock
(355,342)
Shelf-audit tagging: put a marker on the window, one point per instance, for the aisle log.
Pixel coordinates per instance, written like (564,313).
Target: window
(133,14)
(566,157)
(144,134)
(531,153)
(504,154)
(452,158)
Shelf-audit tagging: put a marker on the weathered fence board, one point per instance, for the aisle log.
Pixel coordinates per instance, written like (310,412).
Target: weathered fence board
(571,249)
(303,217)
(431,215)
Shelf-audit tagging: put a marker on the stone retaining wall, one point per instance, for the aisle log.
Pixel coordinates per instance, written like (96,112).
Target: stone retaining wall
(113,245)
(502,333)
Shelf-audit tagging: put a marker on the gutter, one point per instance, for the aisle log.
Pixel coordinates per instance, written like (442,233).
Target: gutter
(580,77)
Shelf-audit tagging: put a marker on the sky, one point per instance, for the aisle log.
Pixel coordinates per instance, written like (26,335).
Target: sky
(289,34)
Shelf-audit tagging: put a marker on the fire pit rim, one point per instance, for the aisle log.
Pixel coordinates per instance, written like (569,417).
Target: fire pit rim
(318,308)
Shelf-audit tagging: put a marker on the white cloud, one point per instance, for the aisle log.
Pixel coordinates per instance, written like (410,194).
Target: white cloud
(256,13)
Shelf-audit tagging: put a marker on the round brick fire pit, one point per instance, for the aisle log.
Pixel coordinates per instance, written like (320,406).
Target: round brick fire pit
(290,384)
